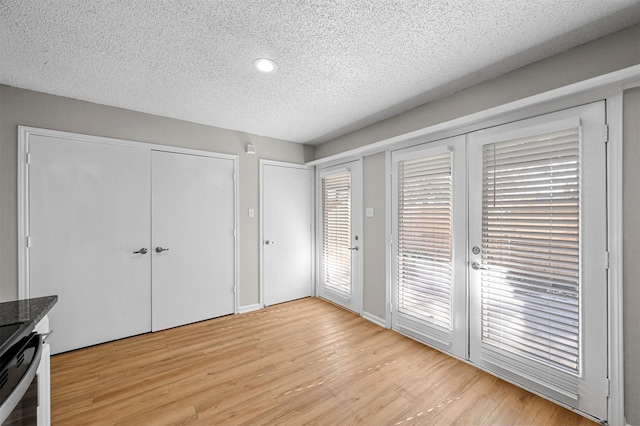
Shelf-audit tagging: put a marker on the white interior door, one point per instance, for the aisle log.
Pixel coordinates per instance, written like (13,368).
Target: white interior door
(286,233)
(537,232)
(340,234)
(193,242)
(88,213)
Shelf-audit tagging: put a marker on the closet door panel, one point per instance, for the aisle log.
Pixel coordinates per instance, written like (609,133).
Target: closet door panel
(88,213)
(193,249)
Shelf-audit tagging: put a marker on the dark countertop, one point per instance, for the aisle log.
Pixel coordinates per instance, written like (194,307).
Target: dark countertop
(26,310)
(27,313)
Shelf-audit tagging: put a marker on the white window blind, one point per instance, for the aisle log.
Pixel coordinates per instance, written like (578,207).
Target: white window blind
(530,295)
(336,232)
(425,238)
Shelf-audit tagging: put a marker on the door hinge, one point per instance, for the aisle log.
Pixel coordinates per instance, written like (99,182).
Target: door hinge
(608,389)
(234,232)
(606,259)
(390,307)
(28,158)
(28,242)
(606,133)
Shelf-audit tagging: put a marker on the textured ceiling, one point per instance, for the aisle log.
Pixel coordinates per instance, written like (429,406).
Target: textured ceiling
(343,64)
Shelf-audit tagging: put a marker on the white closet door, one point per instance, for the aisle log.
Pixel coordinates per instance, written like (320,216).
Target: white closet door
(88,212)
(537,232)
(286,230)
(193,243)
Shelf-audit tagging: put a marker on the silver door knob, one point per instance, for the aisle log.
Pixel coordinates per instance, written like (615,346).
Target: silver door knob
(160,249)
(354,248)
(141,251)
(476,266)
(269,243)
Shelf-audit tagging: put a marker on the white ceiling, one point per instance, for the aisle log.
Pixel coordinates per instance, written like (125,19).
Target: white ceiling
(343,64)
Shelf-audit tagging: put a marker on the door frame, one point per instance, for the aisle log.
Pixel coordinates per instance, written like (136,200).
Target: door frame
(262,163)
(24,133)
(358,198)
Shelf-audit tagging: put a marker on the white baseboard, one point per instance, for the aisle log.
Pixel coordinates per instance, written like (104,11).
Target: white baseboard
(248,308)
(375,319)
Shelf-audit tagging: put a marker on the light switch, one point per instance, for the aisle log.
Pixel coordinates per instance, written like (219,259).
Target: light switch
(369,212)
(251,213)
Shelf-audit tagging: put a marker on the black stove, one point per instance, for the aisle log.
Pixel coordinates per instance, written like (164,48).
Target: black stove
(7,331)
(20,353)
(12,333)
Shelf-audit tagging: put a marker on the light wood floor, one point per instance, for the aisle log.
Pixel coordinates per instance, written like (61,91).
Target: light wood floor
(300,362)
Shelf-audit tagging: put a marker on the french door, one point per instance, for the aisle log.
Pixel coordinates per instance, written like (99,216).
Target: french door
(340,234)
(502,244)
(429,245)
(537,237)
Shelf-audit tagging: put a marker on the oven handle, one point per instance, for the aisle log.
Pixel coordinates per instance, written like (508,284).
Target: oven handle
(16,395)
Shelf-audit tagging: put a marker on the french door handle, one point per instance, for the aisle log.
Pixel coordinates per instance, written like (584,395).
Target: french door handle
(160,249)
(354,248)
(141,251)
(476,266)
(269,243)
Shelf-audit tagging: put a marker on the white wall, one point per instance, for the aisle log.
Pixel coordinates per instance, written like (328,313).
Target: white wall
(23,107)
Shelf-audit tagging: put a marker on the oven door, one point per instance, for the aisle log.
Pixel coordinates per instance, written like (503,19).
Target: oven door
(19,382)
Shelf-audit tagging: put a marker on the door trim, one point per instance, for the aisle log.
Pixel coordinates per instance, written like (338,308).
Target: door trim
(24,133)
(614,113)
(262,163)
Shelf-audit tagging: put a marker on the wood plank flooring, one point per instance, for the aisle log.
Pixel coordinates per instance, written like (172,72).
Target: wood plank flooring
(301,362)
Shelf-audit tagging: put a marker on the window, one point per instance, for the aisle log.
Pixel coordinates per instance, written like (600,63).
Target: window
(336,232)
(428,282)
(530,248)
(425,215)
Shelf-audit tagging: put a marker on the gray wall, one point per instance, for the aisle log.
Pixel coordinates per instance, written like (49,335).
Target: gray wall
(614,52)
(23,107)
(374,259)
(607,54)
(631,269)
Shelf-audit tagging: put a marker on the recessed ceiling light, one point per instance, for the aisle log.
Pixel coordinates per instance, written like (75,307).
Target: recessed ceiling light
(265,65)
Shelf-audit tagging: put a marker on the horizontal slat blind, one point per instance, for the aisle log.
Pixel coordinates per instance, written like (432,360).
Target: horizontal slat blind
(530,292)
(336,232)
(424,238)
